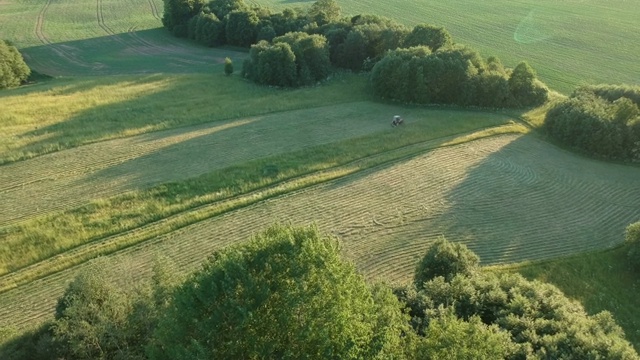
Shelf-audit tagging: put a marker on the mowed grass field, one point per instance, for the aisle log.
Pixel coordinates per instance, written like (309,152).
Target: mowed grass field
(142,148)
(493,194)
(102,37)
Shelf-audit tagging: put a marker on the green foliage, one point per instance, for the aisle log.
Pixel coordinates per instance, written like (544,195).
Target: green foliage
(207,29)
(271,64)
(13,70)
(99,318)
(324,11)
(454,74)
(285,294)
(445,259)
(292,60)
(177,14)
(607,127)
(451,338)
(242,27)
(542,322)
(360,46)
(266,33)
(428,35)
(612,92)
(632,237)
(311,56)
(524,88)
(221,8)
(228,66)
(32,344)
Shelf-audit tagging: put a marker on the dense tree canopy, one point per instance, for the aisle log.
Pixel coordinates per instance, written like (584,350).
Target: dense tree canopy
(291,60)
(541,322)
(287,295)
(445,259)
(428,35)
(177,14)
(454,75)
(602,121)
(13,70)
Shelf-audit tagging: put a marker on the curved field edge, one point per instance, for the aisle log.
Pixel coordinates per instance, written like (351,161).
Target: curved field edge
(66,113)
(388,215)
(149,213)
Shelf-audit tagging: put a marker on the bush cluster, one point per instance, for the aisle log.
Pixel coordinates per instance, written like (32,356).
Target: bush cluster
(632,238)
(293,59)
(602,120)
(13,70)
(454,74)
(541,322)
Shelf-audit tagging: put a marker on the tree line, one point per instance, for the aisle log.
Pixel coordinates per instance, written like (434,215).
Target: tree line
(419,65)
(600,120)
(288,294)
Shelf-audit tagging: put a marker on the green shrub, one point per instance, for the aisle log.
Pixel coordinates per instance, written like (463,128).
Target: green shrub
(445,259)
(597,125)
(13,70)
(632,238)
(287,294)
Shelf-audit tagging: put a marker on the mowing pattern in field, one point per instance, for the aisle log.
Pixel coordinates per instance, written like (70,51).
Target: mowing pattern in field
(73,177)
(103,37)
(508,198)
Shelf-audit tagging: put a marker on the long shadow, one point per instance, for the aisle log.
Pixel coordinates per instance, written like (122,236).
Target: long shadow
(133,52)
(529,200)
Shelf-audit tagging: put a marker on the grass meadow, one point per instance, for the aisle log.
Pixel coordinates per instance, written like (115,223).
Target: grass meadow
(139,145)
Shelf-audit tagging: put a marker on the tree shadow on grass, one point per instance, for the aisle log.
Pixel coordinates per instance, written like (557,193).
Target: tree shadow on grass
(530,200)
(133,52)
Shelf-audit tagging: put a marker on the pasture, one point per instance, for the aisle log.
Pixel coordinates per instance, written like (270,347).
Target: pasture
(142,147)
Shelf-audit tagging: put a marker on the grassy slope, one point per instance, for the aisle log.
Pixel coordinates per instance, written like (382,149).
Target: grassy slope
(568,42)
(600,281)
(66,113)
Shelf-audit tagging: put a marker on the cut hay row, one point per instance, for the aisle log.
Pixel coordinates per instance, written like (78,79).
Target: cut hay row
(72,177)
(387,216)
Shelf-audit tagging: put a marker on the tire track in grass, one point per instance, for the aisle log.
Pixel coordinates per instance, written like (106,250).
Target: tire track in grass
(58,50)
(154,10)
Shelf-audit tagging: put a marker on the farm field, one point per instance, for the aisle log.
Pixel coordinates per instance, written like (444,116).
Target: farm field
(141,147)
(568,42)
(97,37)
(491,194)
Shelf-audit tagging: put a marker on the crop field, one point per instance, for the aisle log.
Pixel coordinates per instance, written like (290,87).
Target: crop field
(568,42)
(509,198)
(102,37)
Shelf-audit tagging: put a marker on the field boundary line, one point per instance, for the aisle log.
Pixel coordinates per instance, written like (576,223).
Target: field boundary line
(149,231)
